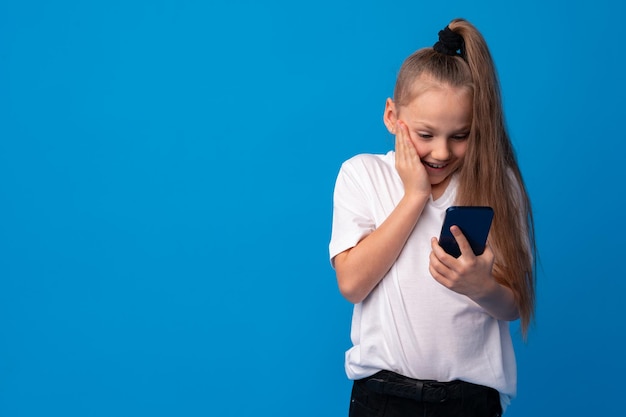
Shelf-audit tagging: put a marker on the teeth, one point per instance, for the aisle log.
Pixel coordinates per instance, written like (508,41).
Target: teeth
(434,165)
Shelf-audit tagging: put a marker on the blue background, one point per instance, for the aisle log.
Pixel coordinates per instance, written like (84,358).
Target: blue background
(166,177)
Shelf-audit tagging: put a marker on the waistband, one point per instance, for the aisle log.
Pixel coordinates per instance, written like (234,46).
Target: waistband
(391,383)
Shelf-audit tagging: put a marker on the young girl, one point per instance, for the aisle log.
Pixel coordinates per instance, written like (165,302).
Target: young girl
(430,332)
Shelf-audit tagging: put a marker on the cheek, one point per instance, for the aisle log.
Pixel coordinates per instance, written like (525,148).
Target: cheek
(420,147)
(460,149)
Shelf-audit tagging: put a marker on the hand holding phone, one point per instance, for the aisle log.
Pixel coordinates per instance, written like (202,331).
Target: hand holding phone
(474,222)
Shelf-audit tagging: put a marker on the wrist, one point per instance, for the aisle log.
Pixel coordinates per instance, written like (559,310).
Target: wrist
(498,300)
(416,197)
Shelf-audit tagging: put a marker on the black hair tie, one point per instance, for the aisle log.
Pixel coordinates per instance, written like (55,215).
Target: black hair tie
(450,43)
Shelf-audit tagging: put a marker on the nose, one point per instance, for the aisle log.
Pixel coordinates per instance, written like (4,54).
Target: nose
(441,150)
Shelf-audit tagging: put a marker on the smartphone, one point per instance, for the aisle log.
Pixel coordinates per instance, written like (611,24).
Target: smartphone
(474,222)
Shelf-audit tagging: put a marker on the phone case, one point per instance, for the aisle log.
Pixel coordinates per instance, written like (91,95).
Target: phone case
(474,222)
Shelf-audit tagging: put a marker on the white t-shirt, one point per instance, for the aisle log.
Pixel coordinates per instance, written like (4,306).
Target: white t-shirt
(409,323)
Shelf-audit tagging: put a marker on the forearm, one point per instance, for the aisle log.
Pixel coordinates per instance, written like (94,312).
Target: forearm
(361,268)
(499,301)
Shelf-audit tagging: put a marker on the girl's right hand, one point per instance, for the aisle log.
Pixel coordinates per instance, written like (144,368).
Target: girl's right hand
(409,165)
(360,268)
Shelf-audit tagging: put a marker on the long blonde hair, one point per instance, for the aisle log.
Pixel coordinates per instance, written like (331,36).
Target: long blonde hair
(490,175)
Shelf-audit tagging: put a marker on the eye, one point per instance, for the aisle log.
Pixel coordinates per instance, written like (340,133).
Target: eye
(460,137)
(424,135)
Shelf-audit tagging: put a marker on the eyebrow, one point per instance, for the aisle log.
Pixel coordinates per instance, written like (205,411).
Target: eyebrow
(426,126)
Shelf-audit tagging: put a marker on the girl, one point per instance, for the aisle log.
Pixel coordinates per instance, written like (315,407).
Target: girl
(430,332)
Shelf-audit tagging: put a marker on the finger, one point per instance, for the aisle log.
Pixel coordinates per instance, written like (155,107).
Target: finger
(400,140)
(461,240)
(403,147)
(443,256)
(403,132)
(439,258)
(437,275)
(434,245)
(435,266)
(439,271)
(488,253)
(488,250)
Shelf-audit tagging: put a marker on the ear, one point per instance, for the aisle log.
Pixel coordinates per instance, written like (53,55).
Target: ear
(390,116)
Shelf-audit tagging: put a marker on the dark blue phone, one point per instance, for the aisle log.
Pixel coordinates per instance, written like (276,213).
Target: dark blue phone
(474,222)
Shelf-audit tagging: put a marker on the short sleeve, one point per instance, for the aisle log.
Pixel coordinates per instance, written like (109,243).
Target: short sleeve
(352,215)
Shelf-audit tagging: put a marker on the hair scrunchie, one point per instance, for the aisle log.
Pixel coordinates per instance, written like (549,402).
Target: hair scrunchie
(450,43)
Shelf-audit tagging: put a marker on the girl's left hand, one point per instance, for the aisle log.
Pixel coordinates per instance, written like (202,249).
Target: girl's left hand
(468,274)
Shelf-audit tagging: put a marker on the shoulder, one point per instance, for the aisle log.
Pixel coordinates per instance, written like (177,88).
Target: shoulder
(367,162)
(368,173)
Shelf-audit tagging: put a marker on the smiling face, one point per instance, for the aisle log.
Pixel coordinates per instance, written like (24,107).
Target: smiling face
(439,120)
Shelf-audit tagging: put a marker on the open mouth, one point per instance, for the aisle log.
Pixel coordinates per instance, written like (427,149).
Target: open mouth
(434,166)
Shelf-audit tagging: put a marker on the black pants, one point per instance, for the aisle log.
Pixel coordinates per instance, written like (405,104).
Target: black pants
(462,399)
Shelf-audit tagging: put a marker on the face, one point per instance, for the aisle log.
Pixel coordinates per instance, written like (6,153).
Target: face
(439,121)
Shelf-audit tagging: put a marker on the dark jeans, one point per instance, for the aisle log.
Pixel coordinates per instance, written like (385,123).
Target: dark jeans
(466,400)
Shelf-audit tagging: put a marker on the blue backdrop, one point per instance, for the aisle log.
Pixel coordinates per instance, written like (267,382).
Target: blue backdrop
(166,177)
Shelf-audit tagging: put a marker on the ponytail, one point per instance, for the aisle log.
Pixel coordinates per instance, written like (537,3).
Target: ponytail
(490,176)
